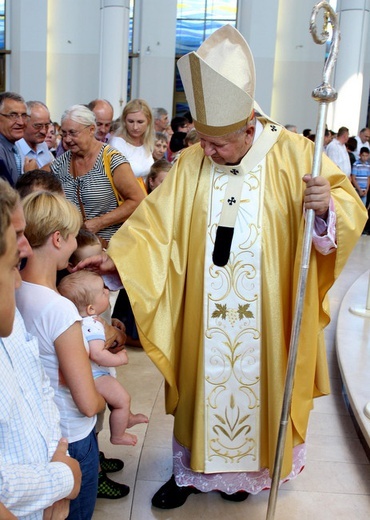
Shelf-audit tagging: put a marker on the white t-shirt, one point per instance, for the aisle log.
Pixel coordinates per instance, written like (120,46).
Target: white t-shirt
(47,315)
(94,329)
(338,154)
(360,145)
(140,160)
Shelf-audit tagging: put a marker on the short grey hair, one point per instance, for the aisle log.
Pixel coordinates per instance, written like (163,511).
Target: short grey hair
(242,130)
(32,104)
(10,95)
(159,112)
(80,114)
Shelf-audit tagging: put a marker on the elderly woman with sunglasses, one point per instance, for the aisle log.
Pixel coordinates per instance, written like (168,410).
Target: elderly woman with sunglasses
(94,176)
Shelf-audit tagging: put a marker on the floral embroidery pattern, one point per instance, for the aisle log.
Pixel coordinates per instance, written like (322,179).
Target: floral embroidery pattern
(232,426)
(232,339)
(233,315)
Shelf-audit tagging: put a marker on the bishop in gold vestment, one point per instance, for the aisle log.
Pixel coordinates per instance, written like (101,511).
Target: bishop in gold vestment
(160,253)
(220,333)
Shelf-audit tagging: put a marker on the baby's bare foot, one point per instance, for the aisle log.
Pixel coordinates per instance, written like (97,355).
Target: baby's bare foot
(127,439)
(137,418)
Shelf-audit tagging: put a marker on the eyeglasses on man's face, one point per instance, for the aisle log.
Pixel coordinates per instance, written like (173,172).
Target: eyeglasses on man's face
(13,116)
(40,126)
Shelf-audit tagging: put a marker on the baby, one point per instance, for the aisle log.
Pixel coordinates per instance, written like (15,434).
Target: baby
(87,291)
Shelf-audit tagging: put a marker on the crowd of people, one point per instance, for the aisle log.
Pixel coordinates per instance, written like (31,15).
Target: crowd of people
(198,221)
(350,153)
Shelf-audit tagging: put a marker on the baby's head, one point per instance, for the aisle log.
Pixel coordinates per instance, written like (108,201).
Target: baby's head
(87,291)
(88,244)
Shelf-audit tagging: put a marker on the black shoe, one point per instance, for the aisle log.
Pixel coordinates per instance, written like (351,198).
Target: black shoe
(239,496)
(170,495)
(107,488)
(110,465)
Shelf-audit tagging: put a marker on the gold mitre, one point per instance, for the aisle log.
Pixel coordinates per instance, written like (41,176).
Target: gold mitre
(219,82)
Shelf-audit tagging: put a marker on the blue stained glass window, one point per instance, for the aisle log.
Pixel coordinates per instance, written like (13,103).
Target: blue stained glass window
(196,20)
(225,10)
(130,48)
(2,24)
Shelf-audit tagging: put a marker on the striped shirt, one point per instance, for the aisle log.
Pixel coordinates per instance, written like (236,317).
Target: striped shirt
(29,430)
(94,187)
(361,171)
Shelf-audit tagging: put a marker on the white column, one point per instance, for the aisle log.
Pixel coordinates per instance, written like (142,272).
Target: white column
(155,41)
(251,15)
(351,77)
(114,48)
(299,65)
(73,46)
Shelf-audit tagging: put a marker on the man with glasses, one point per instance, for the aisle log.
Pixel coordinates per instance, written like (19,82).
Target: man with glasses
(33,150)
(13,119)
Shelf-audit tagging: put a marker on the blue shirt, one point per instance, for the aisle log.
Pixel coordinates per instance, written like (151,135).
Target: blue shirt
(361,171)
(41,155)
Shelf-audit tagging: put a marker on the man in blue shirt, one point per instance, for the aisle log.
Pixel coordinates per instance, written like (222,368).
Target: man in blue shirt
(13,119)
(34,151)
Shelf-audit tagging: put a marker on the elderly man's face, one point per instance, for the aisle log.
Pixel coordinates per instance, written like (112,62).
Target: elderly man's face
(37,126)
(229,149)
(13,119)
(104,117)
(162,122)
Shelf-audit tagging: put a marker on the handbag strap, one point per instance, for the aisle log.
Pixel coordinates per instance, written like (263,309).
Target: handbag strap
(107,155)
(78,192)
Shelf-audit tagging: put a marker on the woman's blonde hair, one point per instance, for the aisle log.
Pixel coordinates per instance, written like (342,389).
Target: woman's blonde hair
(47,212)
(138,105)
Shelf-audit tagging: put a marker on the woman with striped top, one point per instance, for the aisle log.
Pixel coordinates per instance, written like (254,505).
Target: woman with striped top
(84,179)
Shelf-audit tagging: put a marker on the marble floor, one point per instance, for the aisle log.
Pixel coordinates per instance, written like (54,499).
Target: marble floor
(334,485)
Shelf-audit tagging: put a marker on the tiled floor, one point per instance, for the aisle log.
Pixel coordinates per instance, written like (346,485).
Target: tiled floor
(334,485)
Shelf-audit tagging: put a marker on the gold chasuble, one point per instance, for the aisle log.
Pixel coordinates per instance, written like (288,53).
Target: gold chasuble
(220,335)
